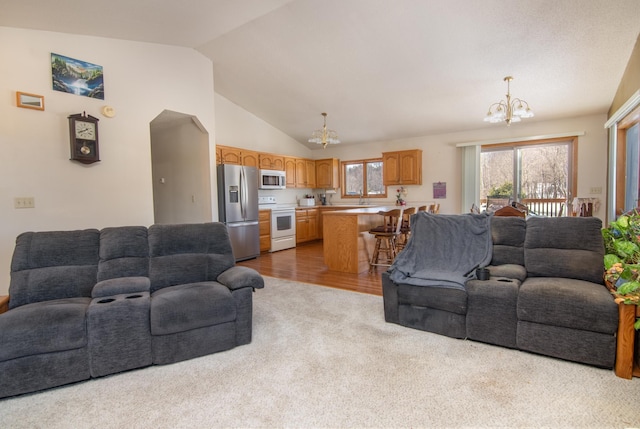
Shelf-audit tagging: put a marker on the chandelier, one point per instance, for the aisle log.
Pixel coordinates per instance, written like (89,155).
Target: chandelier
(508,111)
(324,136)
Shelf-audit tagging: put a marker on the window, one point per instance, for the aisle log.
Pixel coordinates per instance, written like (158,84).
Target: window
(623,141)
(539,174)
(363,178)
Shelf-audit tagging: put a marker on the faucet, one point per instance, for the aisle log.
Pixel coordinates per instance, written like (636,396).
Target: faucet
(361,200)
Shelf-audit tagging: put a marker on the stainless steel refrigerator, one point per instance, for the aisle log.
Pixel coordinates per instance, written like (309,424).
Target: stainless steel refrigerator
(238,208)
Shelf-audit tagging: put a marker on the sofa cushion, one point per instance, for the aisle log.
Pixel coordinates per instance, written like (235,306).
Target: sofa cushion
(44,284)
(570,247)
(440,298)
(510,271)
(43,327)
(124,252)
(568,303)
(53,265)
(508,235)
(188,253)
(190,306)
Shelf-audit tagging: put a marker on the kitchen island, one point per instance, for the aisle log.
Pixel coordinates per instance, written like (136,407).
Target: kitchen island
(347,243)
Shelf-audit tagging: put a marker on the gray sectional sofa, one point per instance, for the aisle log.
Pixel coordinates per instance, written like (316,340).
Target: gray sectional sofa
(91,303)
(545,295)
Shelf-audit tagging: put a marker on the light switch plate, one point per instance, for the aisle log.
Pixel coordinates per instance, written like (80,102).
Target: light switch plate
(24,202)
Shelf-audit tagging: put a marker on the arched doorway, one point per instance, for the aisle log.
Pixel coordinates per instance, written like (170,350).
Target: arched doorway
(180,169)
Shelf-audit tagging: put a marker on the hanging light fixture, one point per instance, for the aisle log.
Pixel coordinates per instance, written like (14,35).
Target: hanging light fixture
(508,111)
(324,136)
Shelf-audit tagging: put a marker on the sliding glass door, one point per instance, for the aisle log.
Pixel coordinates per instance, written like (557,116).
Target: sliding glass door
(537,174)
(632,185)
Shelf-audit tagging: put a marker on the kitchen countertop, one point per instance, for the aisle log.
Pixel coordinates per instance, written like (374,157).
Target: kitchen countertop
(362,210)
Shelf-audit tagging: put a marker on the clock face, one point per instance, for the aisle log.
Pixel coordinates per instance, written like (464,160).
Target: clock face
(85,130)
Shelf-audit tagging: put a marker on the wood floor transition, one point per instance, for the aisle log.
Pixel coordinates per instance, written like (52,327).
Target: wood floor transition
(305,263)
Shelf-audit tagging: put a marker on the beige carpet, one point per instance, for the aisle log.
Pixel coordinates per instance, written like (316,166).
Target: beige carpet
(323,357)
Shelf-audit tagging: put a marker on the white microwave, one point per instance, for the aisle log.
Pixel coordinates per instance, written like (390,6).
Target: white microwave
(272,179)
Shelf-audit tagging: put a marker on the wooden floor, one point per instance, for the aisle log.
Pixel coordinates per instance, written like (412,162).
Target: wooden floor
(305,263)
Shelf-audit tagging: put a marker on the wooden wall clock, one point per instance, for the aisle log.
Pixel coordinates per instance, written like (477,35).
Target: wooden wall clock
(83,138)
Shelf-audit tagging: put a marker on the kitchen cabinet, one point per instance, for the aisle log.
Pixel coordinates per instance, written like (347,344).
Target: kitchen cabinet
(230,155)
(270,161)
(301,173)
(237,156)
(306,225)
(249,158)
(328,173)
(311,173)
(264,222)
(290,171)
(402,167)
(305,173)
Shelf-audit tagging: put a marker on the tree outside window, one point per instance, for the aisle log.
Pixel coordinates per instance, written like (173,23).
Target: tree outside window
(363,178)
(538,174)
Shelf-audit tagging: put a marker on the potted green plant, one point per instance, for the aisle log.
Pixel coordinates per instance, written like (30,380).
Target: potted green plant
(622,258)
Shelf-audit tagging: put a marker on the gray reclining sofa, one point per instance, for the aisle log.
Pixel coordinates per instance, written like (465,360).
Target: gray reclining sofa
(91,303)
(545,295)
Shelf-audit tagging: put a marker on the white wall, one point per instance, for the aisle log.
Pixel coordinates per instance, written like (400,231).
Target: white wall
(442,161)
(141,80)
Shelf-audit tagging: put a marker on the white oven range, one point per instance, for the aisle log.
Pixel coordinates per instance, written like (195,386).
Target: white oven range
(283,224)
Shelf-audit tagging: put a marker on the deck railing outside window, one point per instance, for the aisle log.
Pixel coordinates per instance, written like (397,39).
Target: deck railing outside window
(550,207)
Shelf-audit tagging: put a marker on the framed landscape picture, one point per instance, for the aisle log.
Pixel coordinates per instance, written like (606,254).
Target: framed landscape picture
(29,101)
(77,77)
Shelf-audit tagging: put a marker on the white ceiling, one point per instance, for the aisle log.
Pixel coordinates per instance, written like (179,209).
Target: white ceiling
(381,69)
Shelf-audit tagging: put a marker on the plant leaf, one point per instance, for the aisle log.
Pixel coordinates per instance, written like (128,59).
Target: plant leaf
(628,287)
(609,260)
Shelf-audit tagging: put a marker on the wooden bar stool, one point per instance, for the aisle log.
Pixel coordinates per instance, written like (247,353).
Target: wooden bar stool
(405,229)
(384,251)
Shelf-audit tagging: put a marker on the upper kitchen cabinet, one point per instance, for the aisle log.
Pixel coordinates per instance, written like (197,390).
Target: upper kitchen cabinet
(229,155)
(402,167)
(311,173)
(328,173)
(237,156)
(290,171)
(305,173)
(249,158)
(269,161)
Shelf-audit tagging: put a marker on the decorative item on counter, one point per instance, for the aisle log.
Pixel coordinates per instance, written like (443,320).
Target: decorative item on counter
(401,194)
(307,200)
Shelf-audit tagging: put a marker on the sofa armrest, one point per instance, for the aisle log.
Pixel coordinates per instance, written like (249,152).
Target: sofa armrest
(121,285)
(238,277)
(4,304)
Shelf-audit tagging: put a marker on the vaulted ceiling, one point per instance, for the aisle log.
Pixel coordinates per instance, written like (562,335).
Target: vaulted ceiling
(381,69)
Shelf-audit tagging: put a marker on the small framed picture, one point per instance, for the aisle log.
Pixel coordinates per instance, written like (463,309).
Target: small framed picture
(29,101)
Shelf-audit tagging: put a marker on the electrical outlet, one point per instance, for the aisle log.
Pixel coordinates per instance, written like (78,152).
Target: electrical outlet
(24,202)
(595,190)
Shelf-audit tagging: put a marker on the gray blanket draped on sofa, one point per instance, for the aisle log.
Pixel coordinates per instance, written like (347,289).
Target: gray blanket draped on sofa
(444,250)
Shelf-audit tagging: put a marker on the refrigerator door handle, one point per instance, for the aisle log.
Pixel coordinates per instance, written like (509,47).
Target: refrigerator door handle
(243,194)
